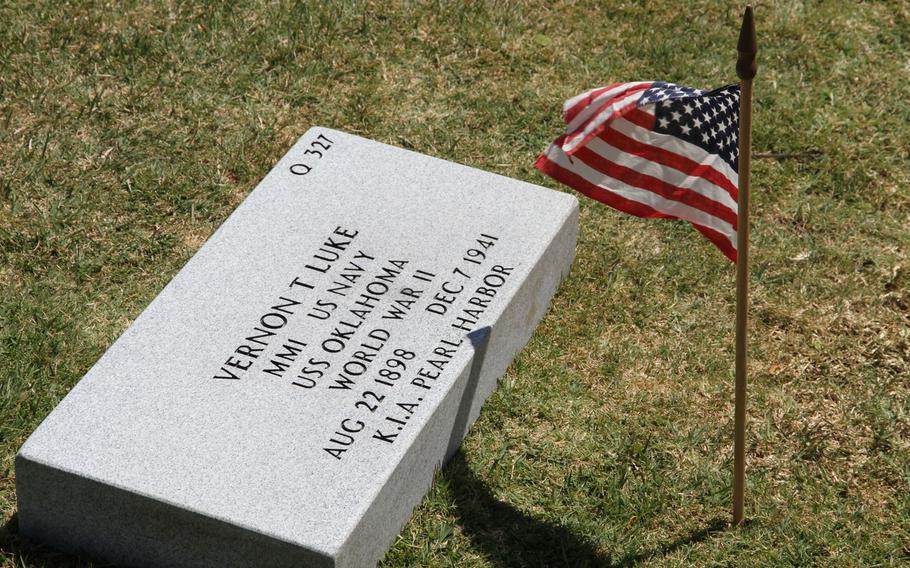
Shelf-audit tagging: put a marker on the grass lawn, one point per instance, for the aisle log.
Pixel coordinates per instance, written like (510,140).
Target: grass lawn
(127,135)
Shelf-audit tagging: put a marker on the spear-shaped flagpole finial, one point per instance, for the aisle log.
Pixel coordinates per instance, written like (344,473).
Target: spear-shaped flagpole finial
(747,47)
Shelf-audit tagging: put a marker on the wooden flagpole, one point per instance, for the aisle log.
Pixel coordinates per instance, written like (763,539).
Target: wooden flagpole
(745,69)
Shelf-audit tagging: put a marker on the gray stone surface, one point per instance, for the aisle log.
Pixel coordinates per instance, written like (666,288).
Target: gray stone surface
(198,440)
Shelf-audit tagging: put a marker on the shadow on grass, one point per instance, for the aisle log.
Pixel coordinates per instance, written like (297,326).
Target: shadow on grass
(19,551)
(511,538)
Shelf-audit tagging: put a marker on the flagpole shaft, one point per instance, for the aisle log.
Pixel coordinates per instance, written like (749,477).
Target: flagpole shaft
(742,298)
(745,68)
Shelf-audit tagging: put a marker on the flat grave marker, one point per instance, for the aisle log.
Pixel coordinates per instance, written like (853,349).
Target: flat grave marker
(285,400)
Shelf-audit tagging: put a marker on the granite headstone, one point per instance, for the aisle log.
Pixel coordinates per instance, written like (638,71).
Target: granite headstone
(286,398)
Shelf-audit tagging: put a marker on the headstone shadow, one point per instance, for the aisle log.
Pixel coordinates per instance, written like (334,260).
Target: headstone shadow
(511,538)
(23,552)
(508,536)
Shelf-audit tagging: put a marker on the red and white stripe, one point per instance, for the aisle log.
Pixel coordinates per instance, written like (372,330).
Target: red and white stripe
(611,153)
(587,113)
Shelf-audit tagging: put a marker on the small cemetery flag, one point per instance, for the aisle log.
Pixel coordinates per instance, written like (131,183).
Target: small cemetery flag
(655,149)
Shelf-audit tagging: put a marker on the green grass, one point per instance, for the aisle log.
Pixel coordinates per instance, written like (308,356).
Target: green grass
(127,135)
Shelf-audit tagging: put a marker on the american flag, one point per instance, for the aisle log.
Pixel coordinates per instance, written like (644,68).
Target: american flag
(655,149)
